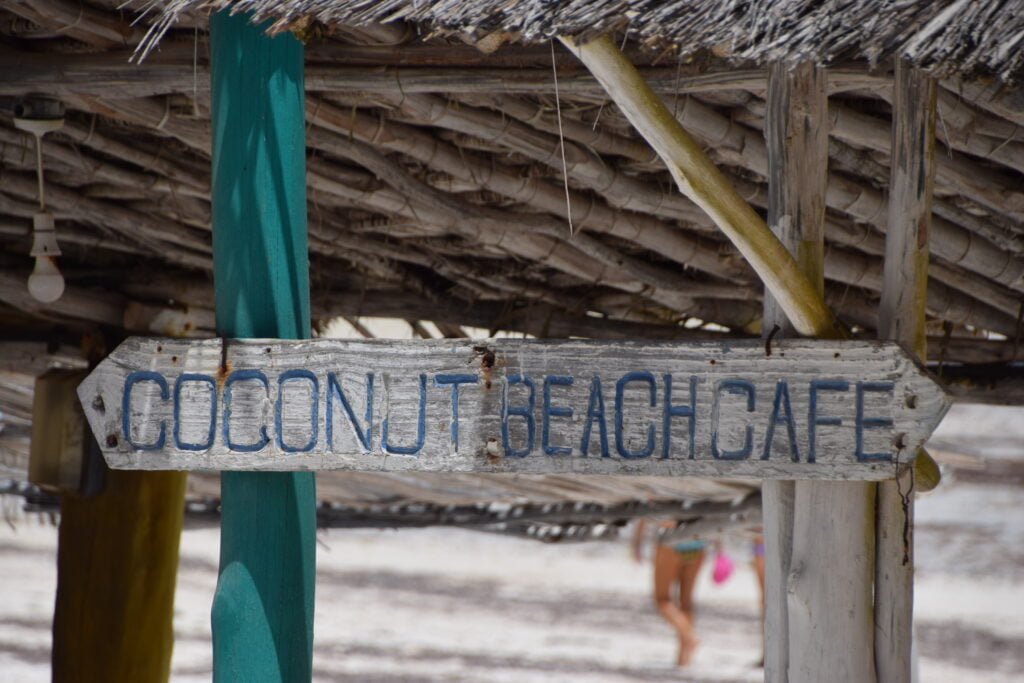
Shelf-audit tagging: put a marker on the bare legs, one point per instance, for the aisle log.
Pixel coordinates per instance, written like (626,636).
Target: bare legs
(758,562)
(671,568)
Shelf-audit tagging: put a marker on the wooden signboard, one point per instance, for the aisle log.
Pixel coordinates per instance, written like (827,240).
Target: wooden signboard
(807,409)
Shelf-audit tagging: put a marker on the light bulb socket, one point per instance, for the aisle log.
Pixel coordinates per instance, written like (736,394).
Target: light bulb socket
(38,127)
(44,236)
(34,107)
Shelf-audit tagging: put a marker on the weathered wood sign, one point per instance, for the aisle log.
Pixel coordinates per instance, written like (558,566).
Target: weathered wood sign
(808,409)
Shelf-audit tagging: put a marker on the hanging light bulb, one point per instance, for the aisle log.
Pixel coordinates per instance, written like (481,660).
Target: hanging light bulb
(45,284)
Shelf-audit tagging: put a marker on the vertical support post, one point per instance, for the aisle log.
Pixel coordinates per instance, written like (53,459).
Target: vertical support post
(798,157)
(818,535)
(263,607)
(902,318)
(117,563)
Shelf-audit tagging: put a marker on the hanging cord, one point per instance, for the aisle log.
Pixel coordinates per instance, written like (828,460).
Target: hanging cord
(561,142)
(39,169)
(195,73)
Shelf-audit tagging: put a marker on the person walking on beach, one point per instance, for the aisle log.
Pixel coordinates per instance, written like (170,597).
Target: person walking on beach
(676,565)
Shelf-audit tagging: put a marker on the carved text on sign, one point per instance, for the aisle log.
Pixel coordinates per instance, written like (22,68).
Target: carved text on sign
(502,405)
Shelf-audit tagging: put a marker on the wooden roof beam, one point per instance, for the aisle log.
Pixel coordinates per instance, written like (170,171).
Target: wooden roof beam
(112,75)
(955,173)
(79,21)
(588,211)
(581,165)
(75,303)
(101,169)
(158,234)
(1006,102)
(837,269)
(192,133)
(743,147)
(35,358)
(700,180)
(865,273)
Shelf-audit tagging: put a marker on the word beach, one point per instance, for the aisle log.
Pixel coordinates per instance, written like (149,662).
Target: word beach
(801,409)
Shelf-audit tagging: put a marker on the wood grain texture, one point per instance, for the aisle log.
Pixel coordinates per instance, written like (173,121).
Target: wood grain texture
(798,165)
(35,358)
(901,317)
(58,75)
(817,567)
(901,311)
(263,404)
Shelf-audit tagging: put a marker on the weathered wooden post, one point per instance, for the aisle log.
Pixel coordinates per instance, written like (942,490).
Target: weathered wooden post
(901,318)
(796,213)
(263,607)
(818,535)
(117,561)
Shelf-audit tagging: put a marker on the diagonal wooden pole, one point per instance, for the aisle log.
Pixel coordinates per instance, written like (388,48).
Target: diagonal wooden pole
(263,607)
(701,181)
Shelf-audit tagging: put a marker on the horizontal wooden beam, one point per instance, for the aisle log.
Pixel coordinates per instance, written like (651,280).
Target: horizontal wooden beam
(1000,384)
(81,22)
(108,75)
(35,358)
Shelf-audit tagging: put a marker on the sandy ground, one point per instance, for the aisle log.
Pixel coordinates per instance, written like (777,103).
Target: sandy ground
(452,605)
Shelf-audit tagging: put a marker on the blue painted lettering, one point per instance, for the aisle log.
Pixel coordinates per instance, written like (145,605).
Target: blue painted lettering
(455,381)
(553,411)
(681,410)
(620,388)
(421,426)
(525,412)
(781,402)
(738,387)
(813,419)
(241,376)
(192,377)
(334,390)
(126,403)
(595,411)
(285,376)
(870,422)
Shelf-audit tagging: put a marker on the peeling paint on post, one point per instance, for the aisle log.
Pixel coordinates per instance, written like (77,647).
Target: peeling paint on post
(811,409)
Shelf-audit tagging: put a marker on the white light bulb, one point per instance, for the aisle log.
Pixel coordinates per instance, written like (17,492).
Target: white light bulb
(45,284)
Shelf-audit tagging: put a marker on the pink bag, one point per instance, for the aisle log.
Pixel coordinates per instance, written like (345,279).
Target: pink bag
(723,567)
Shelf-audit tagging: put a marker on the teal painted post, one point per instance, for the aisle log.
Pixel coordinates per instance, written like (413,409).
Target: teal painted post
(263,608)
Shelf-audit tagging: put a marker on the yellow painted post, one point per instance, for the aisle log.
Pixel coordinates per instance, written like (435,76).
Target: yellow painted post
(117,565)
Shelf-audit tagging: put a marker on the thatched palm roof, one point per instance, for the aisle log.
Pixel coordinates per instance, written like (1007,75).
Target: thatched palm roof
(963,37)
(437,189)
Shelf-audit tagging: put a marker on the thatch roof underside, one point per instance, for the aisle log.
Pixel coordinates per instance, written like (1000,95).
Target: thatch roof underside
(963,37)
(437,189)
